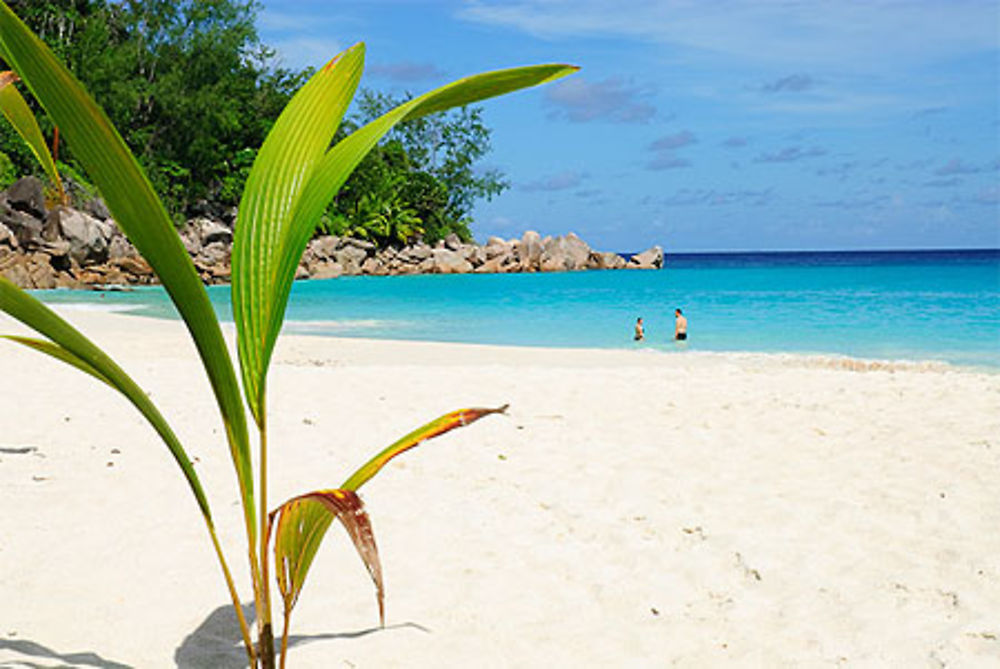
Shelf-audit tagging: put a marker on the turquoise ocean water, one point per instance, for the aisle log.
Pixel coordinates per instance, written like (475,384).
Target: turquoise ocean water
(930,305)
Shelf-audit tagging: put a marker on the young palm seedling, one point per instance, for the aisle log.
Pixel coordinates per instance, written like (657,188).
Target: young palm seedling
(295,175)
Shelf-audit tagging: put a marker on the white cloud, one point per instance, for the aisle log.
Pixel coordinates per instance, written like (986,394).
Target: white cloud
(611,99)
(793,83)
(560,181)
(302,35)
(674,141)
(664,148)
(860,36)
(667,161)
(790,154)
(957,166)
(270,20)
(306,51)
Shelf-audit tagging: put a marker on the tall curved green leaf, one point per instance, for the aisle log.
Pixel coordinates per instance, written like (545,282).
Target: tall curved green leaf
(69,345)
(310,187)
(16,110)
(141,216)
(435,428)
(298,140)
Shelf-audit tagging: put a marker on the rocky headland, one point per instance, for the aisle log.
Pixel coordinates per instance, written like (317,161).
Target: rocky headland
(44,247)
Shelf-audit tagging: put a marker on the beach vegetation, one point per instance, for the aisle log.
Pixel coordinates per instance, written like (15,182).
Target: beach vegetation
(8,172)
(374,203)
(295,174)
(188,84)
(15,109)
(193,91)
(429,165)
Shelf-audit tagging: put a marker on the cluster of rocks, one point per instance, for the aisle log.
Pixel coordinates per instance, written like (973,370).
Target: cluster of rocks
(76,248)
(327,257)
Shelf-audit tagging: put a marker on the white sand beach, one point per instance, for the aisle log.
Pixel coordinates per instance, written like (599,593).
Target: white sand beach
(633,509)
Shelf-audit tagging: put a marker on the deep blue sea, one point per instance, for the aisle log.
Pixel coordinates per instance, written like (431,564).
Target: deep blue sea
(897,305)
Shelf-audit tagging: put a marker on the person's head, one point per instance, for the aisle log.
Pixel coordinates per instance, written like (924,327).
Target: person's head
(639,320)
(678,312)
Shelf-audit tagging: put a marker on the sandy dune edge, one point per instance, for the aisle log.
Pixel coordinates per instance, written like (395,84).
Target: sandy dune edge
(634,509)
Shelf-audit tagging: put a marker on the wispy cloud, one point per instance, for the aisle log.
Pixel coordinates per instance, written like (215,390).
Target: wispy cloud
(735,142)
(305,51)
(674,141)
(840,170)
(695,197)
(667,162)
(303,36)
(555,182)
(856,202)
(664,151)
(989,195)
(857,36)
(920,164)
(503,226)
(957,166)
(271,20)
(790,154)
(943,183)
(836,100)
(793,83)
(929,111)
(405,72)
(612,99)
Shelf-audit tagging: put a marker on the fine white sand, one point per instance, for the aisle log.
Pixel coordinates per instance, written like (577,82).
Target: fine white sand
(634,509)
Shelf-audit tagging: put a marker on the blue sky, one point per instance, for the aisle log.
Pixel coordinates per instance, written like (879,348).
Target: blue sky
(728,125)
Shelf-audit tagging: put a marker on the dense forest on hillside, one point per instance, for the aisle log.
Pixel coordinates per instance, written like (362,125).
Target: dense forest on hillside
(194,91)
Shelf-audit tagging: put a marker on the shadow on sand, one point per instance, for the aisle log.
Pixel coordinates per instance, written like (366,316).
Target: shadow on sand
(216,643)
(30,649)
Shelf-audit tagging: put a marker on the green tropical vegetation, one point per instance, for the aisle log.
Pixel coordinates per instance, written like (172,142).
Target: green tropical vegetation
(422,181)
(193,92)
(290,183)
(15,108)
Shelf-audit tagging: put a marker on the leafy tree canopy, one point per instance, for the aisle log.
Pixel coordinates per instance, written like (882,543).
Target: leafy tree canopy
(422,181)
(194,91)
(447,146)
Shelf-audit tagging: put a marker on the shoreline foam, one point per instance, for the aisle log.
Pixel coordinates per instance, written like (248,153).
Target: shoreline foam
(343,328)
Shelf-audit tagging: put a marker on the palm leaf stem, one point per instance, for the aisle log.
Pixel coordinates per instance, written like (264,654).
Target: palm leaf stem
(264,613)
(244,627)
(284,634)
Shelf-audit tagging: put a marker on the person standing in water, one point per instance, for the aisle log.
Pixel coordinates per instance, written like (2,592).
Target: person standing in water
(680,326)
(640,334)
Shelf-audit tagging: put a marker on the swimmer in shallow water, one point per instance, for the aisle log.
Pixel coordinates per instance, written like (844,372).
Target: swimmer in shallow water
(680,326)
(640,333)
